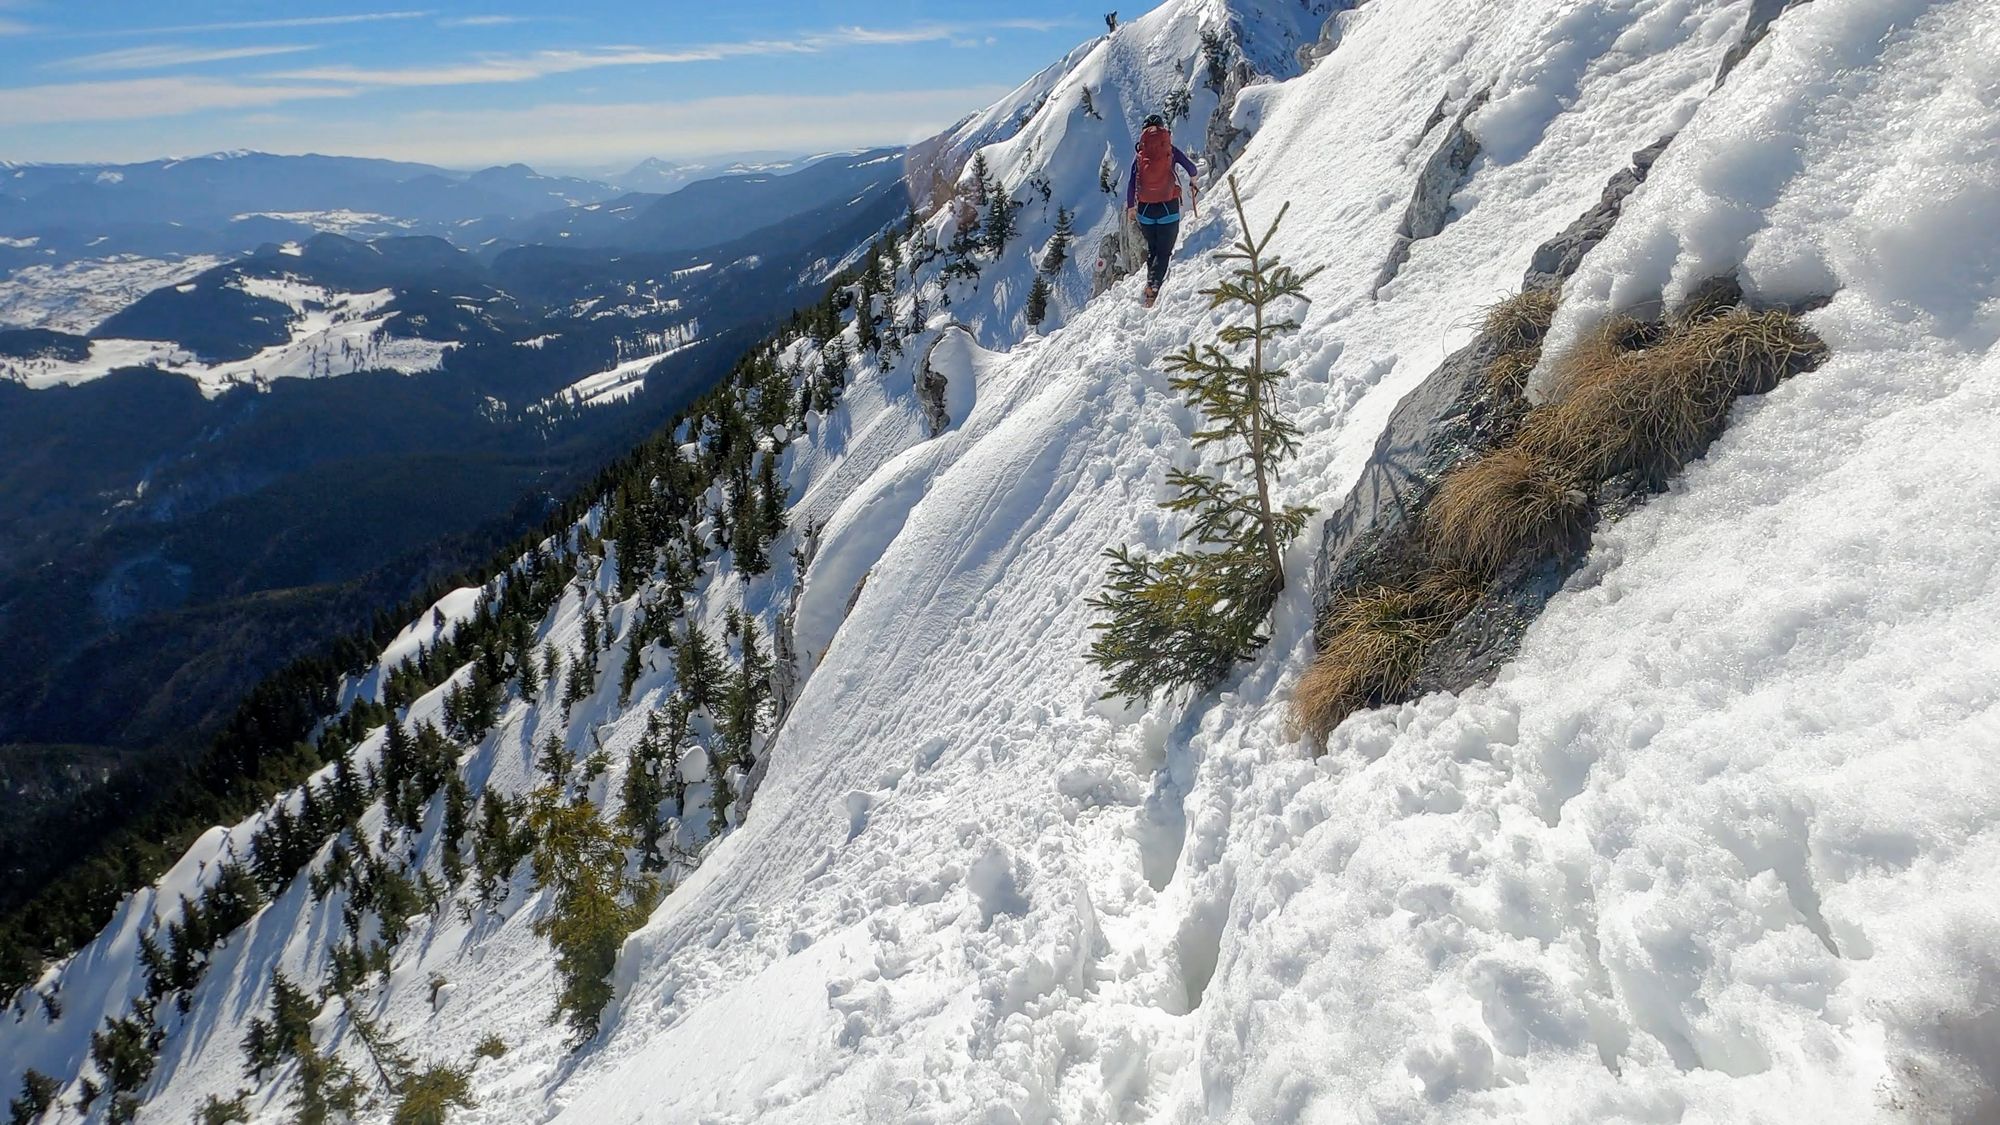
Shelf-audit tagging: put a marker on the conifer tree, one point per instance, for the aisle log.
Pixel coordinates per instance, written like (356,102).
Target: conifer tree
(555,761)
(1038,301)
(644,789)
(498,845)
(967,240)
(720,796)
(527,674)
(122,1053)
(865,334)
(1058,251)
(1107,177)
(746,524)
(1187,617)
(697,666)
(635,663)
(982,180)
(744,698)
(582,861)
(999,219)
(457,818)
(576,686)
(427,1096)
(215,1111)
(269,1042)
(771,495)
(551,664)
(38,1093)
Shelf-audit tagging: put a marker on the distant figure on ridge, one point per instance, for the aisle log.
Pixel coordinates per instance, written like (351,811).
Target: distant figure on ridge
(1153,197)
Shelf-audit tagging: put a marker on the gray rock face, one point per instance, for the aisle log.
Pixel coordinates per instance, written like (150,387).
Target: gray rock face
(1558,258)
(1763,13)
(931,386)
(1225,142)
(1329,36)
(1487,637)
(1119,256)
(1449,416)
(1443,174)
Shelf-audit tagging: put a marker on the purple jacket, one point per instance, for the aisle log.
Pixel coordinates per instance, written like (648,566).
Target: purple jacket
(1132,177)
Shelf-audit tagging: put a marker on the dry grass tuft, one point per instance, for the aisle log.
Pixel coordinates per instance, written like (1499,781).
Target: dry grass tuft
(1757,350)
(1634,395)
(1518,323)
(1373,643)
(1650,409)
(1507,375)
(1509,500)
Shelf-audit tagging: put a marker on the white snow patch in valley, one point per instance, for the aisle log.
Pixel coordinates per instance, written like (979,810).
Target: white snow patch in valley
(338,221)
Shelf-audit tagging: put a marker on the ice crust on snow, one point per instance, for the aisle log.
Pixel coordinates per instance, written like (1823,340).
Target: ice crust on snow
(1718,845)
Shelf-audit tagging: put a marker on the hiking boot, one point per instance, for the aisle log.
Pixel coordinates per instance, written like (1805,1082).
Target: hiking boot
(1152,295)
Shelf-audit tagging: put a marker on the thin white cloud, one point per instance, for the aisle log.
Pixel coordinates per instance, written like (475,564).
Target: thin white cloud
(160,56)
(139,98)
(267,25)
(14,27)
(543,64)
(481,21)
(579,135)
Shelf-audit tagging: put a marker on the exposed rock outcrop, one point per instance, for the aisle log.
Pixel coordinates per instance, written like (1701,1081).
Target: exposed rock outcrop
(1559,257)
(1763,13)
(1429,210)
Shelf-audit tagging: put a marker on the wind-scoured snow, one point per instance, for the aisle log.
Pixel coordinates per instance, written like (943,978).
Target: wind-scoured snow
(1718,846)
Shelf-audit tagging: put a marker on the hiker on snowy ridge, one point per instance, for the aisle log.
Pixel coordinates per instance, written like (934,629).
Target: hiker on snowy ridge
(1153,197)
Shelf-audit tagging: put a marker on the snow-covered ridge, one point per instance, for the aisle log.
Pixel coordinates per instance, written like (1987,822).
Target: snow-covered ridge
(1717,846)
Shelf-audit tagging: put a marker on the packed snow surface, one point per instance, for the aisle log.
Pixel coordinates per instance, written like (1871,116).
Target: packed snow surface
(1718,846)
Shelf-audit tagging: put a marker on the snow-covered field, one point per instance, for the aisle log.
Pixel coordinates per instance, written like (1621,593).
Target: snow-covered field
(75,296)
(625,378)
(351,224)
(1719,845)
(332,334)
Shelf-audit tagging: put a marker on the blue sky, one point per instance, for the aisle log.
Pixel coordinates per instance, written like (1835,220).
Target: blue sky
(562,84)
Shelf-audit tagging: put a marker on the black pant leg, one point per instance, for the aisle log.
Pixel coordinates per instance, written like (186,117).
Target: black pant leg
(1160,239)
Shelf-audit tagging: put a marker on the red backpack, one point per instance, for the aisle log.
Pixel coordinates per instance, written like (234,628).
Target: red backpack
(1156,168)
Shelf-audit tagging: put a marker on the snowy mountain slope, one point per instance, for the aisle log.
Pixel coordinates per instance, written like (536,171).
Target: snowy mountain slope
(75,296)
(1594,890)
(1716,846)
(330,333)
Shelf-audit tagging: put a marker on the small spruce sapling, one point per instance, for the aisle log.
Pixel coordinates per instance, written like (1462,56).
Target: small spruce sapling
(1185,618)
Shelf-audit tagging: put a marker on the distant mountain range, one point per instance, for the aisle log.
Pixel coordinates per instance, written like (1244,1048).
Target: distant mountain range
(234,201)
